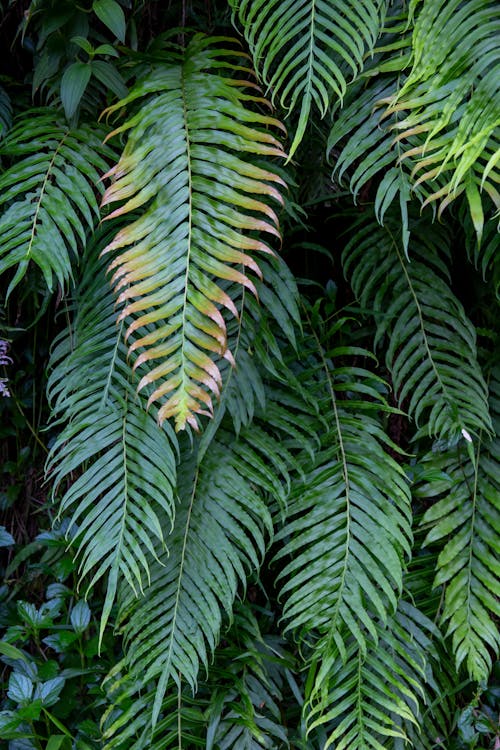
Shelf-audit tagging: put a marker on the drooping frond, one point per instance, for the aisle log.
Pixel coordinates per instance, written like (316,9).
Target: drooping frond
(369,696)
(423,118)
(220,534)
(441,700)
(112,464)
(465,519)
(348,527)
(201,200)
(49,196)
(308,50)
(239,704)
(431,351)
(451,99)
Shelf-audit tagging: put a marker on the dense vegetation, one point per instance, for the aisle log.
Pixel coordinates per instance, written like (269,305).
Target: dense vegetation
(250,375)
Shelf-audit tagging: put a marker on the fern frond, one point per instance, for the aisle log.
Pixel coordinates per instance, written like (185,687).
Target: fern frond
(124,463)
(307,52)
(361,142)
(201,199)
(368,696)
(450,99)
(49,195)
(219,536)
(441,701)
(423,118)
(466,513)
(348,528)
(128,720)
(431,350)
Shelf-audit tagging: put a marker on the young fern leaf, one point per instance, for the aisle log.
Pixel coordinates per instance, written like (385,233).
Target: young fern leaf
(348,528)
(202,200)
(307,52)
(431,351)
(465,518)
(368,697)
(49,195)
(124,463)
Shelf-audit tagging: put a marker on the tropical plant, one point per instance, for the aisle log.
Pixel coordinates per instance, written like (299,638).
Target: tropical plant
(259,239)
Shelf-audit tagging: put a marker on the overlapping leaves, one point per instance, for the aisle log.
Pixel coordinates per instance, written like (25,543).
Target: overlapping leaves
(431,345)
(308,51)
(370,697)
(451,99)
(49,196)
(349,525)
(465,520)
(112,464)
(221,532)
(425,121)
(202,200)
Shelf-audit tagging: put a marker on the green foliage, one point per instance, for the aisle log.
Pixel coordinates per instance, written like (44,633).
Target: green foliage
(168,267)
(269,418)
(307,52)
(429,338)
(49,195)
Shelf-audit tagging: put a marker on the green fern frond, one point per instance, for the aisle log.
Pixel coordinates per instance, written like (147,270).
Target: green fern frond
(466,514)
(361,142)
(49,195)
(307,52)
(431,351)
(219,536)
(348,528)
(442,682)
(369,696)
(201,200)
(423,118)
(127,720)
(451,99)
(114,465)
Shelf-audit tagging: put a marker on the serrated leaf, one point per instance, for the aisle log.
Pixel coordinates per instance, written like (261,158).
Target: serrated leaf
(20,688)
(48,692)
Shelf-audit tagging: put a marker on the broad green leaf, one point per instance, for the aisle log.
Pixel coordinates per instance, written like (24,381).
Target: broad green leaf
(111,14)
(6,539)
(73,84)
